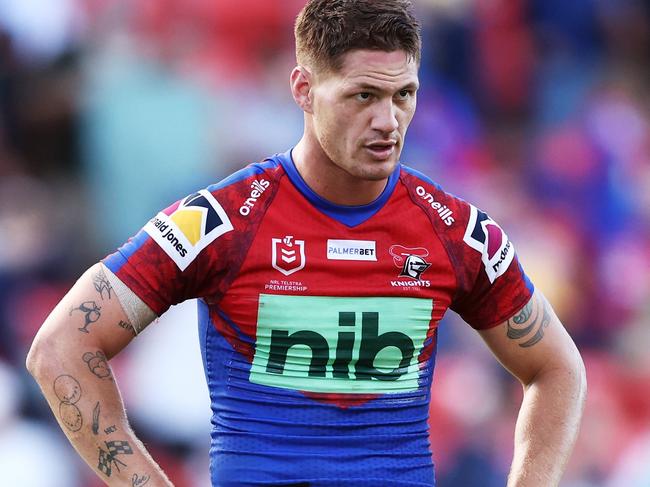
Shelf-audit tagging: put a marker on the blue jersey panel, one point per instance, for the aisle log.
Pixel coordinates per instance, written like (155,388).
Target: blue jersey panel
(273,436)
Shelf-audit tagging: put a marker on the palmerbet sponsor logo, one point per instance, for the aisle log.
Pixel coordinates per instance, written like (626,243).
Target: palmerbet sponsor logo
(444,213)
(350,345)
(258,188)
(363,250)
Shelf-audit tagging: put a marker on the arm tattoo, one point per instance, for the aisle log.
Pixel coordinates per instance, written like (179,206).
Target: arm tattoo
(97,364)
(519,319)
(102,285)
(109,430)
(139,480)
(521,325)
(96,411)
(127,326)
(92,313)
(107,459)
(68,391)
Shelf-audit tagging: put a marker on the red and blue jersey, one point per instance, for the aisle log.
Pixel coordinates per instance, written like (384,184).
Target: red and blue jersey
(318,322)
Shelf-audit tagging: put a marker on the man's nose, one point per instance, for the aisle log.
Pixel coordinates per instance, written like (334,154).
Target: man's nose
(385,117)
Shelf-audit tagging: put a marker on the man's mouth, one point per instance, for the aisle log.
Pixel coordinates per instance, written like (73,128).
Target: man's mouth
(381,150)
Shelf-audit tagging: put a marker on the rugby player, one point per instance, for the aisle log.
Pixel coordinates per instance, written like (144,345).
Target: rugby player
(321,274)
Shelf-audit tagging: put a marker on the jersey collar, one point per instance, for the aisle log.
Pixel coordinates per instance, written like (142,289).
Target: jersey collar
(348,215)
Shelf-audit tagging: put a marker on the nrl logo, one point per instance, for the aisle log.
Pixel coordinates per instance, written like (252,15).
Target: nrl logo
(288,254)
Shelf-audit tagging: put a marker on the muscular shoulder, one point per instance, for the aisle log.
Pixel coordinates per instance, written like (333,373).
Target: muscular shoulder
(442,207)
(468,232)
(184,229)
(243,191)
(193,247)
(482,255)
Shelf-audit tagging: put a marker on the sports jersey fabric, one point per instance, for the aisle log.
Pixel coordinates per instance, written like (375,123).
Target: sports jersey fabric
(318,322)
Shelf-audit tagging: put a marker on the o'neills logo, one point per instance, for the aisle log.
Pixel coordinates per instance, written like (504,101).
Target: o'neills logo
(444,213)
(258,188)
(167,233)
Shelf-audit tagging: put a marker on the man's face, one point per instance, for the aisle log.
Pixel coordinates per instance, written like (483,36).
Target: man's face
(360,113)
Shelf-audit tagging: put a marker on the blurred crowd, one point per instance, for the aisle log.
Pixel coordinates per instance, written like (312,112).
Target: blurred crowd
(537,111)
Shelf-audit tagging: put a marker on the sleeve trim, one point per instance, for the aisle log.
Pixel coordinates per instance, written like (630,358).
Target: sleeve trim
(511,311)
(139,314)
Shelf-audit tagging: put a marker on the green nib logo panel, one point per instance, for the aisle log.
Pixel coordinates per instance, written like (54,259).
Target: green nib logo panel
(343,345)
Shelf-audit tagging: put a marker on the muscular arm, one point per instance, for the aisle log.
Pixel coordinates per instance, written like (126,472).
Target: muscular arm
(534,346)
(69,360)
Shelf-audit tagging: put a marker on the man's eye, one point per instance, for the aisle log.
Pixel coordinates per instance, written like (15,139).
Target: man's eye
(404,94)
(363,96)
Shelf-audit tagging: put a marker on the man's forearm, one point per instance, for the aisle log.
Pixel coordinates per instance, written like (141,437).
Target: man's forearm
(547,426)
(80,389)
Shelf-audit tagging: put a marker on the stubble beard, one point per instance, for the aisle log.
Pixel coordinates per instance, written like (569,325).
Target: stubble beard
(375,170)
(358,163)
(362,167)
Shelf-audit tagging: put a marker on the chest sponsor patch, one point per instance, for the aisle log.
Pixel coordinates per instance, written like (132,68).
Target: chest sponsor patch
(195,223)
(484,235)
(351,250)
(364,345)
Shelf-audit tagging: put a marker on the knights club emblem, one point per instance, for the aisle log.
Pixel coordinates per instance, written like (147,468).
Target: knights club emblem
(288,254)
(410,260)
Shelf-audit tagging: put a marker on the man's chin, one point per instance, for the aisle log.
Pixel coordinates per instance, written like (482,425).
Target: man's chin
(374,173)
(377,170)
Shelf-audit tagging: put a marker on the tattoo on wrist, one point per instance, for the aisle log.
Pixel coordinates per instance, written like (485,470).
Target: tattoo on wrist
(139,480)
(107,459)
(102,285)
(68,391)
(92,313)
(97,364)
(531,322)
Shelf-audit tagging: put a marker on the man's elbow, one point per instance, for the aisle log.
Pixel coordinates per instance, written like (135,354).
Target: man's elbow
(565,372)
(572,374)
(581,379)
(34,359)
(40,355)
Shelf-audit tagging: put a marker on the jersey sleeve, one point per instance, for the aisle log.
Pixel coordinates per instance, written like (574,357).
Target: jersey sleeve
(195,247)
(493,286)
(174,256)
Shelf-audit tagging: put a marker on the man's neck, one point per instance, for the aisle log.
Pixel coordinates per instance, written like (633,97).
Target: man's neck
(331,182)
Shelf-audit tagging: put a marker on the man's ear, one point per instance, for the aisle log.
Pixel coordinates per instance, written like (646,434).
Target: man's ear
(301,88)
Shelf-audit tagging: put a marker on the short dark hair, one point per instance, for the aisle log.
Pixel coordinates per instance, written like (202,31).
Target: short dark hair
(327,29)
